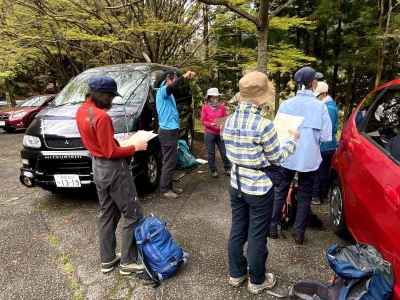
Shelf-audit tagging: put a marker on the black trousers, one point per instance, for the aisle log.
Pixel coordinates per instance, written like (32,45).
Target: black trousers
(251,216)
(212,140)
(323,176)
(117,196)
(169,148)
(304,193)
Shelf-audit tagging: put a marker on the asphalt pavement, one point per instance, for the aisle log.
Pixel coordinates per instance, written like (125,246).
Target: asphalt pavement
(49,243)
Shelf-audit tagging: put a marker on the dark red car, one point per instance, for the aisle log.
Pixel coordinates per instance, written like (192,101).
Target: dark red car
(365,196)
(22,115)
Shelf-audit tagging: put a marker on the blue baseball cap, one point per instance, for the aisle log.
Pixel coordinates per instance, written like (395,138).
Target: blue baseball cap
(103,84)
(305,75)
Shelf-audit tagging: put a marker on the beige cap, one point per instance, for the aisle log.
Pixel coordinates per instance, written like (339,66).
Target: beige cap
(255,87)
(322,87)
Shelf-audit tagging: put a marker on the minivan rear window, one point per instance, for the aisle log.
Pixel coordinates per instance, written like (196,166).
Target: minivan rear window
(132,85)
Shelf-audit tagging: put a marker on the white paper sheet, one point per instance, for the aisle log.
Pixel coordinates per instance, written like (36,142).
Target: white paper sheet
(140,135)
(283,123)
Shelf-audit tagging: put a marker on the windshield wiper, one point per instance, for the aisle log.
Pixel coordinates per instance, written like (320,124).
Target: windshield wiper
(69,103)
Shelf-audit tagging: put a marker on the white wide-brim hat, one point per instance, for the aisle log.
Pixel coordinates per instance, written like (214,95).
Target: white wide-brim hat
(213,92)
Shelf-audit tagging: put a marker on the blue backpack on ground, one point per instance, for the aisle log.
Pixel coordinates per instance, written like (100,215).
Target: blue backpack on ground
(361,274)
(160,253)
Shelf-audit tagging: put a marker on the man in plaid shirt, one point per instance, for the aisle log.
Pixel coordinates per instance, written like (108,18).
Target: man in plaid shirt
(252,145)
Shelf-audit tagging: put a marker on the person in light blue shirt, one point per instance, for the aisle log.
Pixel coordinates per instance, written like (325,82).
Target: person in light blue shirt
(316,128)
(168,135)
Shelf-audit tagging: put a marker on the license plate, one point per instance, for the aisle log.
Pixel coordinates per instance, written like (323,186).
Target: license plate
(67,181)
(2,123)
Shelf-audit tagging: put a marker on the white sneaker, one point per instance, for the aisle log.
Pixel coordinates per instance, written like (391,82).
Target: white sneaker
(128,269)
(236,282)
(269,283)
(109,266)
(171,195)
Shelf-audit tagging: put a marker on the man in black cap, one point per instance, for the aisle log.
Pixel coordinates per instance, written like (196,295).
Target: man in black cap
(113,178)
(315,128)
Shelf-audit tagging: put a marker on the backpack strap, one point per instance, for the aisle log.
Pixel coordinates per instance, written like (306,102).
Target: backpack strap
(154,278)
(238,181)
(345,290)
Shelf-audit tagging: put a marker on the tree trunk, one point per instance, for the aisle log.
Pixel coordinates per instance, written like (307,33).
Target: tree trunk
(205,33)
(277,96)
(262,46)
(262,36)
(380,58)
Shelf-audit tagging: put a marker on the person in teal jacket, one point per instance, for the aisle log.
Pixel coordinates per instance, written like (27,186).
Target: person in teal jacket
(323,178)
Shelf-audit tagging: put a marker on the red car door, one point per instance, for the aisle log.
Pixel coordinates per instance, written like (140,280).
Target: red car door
(372,187)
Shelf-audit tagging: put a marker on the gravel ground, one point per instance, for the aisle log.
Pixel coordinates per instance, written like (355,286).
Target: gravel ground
(48,242)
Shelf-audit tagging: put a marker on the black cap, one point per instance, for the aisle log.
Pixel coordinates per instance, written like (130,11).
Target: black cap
(103,84)
(305,75)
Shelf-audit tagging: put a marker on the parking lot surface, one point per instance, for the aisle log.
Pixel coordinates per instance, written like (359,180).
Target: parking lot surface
(49,246)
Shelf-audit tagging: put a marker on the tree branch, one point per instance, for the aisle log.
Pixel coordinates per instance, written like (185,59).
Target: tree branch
(123,5)
(278,10)
(233,8)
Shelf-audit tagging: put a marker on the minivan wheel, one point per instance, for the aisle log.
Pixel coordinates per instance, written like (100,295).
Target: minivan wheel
(337,210)
(152,172)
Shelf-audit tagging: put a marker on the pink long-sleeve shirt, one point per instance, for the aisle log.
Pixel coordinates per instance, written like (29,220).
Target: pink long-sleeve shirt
(210,117)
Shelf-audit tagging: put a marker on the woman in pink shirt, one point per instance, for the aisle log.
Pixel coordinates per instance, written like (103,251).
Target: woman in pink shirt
(213,115)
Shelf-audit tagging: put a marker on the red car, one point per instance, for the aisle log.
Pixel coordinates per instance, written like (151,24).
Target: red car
(365,195)
(22,115)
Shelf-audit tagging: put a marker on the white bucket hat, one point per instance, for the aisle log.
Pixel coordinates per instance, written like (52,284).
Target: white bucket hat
(213,92)
(322,87)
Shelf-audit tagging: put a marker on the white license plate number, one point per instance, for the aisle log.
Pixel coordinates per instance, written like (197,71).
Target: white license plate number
(2,123)
(67,181)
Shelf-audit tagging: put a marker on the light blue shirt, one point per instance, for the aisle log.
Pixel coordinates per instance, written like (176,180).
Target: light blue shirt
(168,116)
(316,128)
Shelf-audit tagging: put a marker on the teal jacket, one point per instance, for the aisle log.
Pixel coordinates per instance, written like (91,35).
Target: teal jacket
(333,114)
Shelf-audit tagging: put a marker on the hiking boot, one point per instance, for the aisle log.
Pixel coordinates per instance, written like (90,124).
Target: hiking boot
(268,284)
(236,282)
(298,238)
(316,201)
(171,195)
(214,174)
(109,266)
(177,190)
(128,269)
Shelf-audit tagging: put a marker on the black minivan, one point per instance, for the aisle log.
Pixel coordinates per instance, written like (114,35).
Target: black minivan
(53,156)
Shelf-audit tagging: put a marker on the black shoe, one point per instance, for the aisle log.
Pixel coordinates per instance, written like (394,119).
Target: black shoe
(298,239)
(273,234)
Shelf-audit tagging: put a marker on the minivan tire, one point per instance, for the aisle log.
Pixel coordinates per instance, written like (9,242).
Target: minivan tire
(150,178)
(336,209)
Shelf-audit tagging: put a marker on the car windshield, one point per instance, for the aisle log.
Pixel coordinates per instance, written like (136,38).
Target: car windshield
(34,102)
(129,83)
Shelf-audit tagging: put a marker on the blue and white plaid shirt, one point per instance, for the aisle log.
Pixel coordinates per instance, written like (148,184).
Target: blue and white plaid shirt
(252,145)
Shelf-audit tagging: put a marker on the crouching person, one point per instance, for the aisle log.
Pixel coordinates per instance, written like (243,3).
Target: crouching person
(252,145)
(112,176)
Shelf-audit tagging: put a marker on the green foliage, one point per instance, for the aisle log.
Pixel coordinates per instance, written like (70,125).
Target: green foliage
(285,58)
